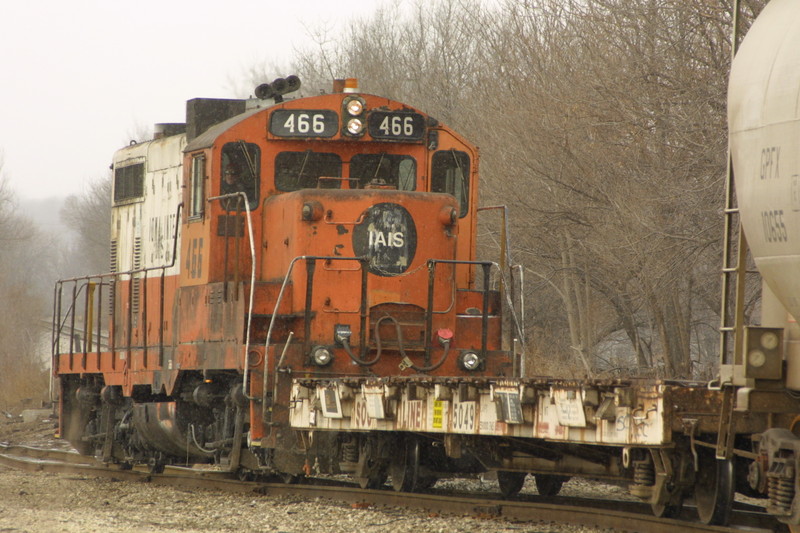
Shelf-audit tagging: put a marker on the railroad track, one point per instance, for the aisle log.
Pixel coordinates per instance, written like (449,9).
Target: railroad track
(602,514)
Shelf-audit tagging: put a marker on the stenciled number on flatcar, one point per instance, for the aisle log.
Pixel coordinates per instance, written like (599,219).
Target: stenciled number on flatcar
(304,123)
(396,126)
(774,227)
(464,416)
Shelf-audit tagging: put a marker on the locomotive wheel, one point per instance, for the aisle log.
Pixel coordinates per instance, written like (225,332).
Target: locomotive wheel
(510,482)
(155,465)
(548,484)
(714,490)
(405,469)
(243,474)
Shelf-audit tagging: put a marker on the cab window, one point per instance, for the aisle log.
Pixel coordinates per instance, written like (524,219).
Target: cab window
(384,169)
(303,170)
(450,174)
(128,183)
(198,183)
(241,163)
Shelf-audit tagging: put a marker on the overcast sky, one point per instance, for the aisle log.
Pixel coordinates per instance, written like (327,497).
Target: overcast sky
(79,77)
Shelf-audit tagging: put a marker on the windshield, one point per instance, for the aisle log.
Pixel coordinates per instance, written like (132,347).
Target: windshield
(384,169)
(302,170)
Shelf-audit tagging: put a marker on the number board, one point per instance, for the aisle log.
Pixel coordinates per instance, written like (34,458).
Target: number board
(396,126)
(304,123)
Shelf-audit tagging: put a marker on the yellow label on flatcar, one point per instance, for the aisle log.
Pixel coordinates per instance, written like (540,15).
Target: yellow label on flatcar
(438,410)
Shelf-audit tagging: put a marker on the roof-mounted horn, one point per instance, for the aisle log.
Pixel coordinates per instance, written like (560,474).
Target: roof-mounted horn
(278,88)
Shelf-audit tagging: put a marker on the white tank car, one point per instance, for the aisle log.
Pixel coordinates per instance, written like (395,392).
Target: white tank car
(764,123)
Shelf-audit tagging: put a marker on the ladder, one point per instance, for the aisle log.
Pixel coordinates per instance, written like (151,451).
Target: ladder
(734,273)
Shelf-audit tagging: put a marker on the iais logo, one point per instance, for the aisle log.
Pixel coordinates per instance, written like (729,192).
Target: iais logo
(388,237)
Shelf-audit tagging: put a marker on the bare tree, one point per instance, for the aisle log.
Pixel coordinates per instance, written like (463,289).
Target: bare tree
(89,216)
(22,337)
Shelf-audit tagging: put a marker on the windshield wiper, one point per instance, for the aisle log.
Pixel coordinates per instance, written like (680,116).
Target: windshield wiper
(378,167)
(248,158)
(302,168)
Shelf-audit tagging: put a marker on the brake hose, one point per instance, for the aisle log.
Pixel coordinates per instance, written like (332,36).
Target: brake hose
(440,362)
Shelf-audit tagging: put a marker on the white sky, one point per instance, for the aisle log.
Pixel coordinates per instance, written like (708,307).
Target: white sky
(79,77)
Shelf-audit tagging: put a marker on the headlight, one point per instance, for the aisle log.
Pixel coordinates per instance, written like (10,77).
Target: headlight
(321,356)
(355,126)
(469,361)
(354,107)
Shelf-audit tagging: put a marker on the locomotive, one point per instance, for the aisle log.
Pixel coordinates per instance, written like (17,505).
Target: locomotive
(265,239)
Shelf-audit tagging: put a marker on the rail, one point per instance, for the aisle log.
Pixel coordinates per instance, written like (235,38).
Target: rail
(599,513)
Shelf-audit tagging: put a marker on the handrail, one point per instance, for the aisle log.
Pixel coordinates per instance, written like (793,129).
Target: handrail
(248,217)
(278,302)
(506,263)
(58,325)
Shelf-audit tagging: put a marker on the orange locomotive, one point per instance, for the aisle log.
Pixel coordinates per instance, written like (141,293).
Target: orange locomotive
(328,236)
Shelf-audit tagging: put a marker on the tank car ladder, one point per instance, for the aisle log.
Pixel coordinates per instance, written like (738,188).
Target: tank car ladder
(734,275)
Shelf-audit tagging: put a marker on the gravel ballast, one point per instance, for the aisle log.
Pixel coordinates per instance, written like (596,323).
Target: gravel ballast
(44,502)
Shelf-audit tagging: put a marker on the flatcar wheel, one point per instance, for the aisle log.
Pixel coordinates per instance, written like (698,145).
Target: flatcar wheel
(670,509)
(290,479)
(375,481)
(426,482)
(404,467)
(510,482)
(667,510)
(548,484)
(713,490)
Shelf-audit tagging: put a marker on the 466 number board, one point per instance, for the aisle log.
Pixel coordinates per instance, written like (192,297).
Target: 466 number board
(304,123)
(396,126)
